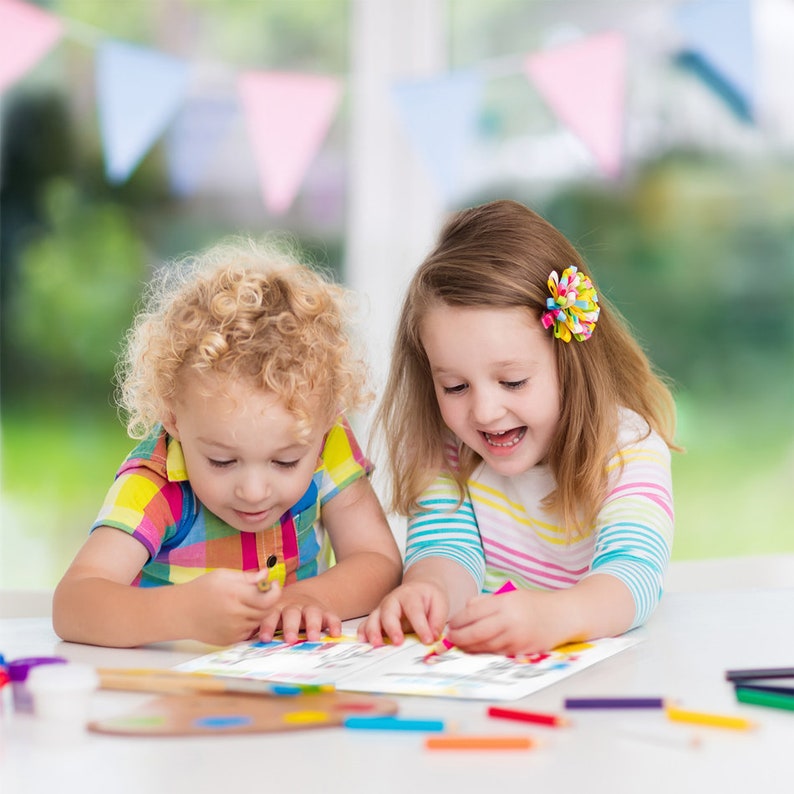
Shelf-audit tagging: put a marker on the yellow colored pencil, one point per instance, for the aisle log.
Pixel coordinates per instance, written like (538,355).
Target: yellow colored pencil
(710,720)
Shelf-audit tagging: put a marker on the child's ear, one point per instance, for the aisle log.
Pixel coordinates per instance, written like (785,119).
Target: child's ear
(169,423)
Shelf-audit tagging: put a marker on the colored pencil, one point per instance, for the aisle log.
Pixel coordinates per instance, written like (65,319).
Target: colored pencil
(390,723)
(177,682)
(443,644)
(760,672)
(462,742)
(263,586)
(552,720)
(615,703)
(765,697)
(709,720)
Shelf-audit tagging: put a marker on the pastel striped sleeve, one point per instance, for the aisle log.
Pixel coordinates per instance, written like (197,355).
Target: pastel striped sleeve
(634,532)
(444,529)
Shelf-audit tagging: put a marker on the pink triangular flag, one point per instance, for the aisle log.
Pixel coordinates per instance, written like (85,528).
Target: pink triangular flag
(287,117)
(584,84)
(26,34)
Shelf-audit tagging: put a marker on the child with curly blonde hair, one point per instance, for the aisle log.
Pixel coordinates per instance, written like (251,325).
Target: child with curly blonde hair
(529,440)
(235,379)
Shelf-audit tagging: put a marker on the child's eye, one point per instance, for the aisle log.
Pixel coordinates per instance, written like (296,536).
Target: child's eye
(514,384)
(286,464)
(454,389)
(220,464)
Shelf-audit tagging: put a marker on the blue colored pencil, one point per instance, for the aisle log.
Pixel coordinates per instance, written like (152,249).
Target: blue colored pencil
(389,723)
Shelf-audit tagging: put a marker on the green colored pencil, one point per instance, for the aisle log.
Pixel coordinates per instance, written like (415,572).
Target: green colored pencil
(760,697)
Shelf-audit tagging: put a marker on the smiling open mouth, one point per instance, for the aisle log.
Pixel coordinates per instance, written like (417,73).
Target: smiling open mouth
(507,438)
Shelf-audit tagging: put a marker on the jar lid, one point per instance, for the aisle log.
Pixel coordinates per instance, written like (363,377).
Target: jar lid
(71,677)
(18,669)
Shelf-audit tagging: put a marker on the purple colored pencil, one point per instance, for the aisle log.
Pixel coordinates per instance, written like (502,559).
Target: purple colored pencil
(614,703)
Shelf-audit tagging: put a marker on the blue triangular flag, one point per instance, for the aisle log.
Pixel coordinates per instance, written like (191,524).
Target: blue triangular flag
(138,93)
(719,49)
(194,138)
(440,117)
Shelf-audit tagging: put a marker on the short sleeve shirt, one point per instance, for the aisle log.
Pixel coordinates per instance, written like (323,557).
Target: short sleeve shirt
(152,500)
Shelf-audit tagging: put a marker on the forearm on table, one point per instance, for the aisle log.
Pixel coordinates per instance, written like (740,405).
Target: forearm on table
(98,611)
(599,606)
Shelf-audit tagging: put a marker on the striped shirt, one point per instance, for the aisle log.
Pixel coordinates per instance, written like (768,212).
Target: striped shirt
(501,530)
(153,501)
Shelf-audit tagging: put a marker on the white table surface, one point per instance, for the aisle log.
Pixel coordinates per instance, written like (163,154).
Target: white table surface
(687,646)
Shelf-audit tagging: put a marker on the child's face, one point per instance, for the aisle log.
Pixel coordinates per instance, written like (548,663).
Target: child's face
(496,383)
(241,451)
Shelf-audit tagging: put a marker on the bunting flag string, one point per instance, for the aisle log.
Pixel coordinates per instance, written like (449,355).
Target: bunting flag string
(719,49)
(139,91)
(26,35)
(193,139)
(288,116)
(440,116)
(142,94)
(584,84)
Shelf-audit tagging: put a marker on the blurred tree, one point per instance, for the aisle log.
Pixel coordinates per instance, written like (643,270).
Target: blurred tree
(77,287)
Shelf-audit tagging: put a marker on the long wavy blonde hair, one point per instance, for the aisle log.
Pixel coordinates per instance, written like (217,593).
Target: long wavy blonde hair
(500,255)
(243,309)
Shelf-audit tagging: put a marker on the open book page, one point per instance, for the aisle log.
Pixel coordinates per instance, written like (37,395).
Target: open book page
(402,670)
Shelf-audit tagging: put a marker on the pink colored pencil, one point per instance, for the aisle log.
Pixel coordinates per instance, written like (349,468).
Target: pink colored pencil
(552,720)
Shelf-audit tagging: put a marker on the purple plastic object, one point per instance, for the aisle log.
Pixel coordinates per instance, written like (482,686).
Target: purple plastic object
(18,670)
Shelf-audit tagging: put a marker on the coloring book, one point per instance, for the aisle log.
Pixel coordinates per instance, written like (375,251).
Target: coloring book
(354,666)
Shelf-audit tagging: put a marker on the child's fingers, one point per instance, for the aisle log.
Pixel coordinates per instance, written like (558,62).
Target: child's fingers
(291,618)
(313,621)
(416,612)
(268,625)
(391,623)
(371,630)
(333,624)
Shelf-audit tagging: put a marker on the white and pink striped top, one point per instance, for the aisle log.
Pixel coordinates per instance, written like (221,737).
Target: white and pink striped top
(501,531)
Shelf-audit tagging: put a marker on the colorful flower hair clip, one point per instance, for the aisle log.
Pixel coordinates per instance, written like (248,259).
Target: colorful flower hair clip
(573,306)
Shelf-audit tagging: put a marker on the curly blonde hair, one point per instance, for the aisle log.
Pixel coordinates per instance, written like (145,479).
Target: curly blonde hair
(242,309)
(499,255)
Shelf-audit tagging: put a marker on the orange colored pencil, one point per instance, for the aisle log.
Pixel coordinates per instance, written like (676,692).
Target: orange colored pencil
(455,742)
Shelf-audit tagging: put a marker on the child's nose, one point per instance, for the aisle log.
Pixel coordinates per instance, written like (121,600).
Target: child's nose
(252,487)
(486,407)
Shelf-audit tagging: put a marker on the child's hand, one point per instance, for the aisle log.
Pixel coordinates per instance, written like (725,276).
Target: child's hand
(509,623)
(226,607)
(419,605)
(296,610)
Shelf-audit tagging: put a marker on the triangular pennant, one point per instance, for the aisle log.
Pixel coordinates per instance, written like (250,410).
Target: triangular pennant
(439,115)
(26,34)
(584,84)
(138,93)
(194,139)
(719,49)
(287,118)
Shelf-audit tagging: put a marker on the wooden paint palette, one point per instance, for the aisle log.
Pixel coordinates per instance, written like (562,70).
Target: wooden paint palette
(213,714)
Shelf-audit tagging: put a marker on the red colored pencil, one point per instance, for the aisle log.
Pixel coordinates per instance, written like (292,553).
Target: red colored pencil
(552,720)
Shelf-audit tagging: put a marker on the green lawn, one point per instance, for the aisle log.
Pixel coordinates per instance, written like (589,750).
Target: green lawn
(733,486)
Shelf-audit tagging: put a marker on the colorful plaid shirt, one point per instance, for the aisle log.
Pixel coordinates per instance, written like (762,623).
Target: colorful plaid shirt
(152,499)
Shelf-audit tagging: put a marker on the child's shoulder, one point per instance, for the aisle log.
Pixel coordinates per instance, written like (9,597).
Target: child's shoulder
(634,430)
(150,453)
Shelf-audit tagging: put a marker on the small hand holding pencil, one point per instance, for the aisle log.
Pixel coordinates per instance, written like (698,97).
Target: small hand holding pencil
(442,645)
